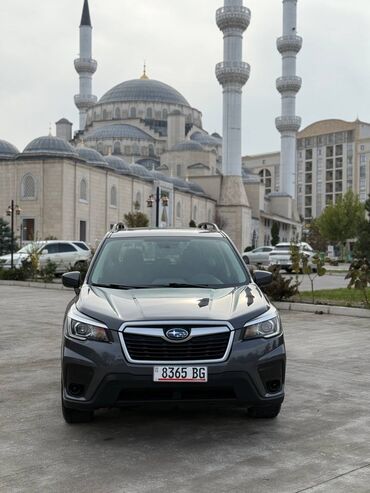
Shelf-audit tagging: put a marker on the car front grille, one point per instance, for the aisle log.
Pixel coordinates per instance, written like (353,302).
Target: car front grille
(155,348)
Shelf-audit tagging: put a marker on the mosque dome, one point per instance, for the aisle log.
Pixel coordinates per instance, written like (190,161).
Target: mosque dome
(91,156)
(187,145)
(179,183)
(7,150)
(51,146)
(149,163)
(205,139)
(139,170)
(118,131)
(144,90)
(250,177)
(119,164)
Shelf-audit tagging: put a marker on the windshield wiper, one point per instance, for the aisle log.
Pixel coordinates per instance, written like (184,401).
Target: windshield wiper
(185,285)
(111,286)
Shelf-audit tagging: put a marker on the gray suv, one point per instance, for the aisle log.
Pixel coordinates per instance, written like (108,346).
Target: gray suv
(166,315)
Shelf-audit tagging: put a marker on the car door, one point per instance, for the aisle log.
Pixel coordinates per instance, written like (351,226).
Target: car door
(68,256)
(258,255)
(51,255)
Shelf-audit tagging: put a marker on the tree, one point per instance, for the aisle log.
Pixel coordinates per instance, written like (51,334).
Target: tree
(341,221)
(192,224)
(136,220)
(5,237)
(315,238)
(275,230)
(362,246)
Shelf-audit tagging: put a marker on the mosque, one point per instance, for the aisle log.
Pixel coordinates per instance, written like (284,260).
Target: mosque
(142,147)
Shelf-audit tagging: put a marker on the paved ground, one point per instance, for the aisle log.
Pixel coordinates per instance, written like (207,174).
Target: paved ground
(329,281)
(319,443)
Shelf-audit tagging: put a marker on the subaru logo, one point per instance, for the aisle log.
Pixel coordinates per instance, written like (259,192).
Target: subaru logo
(177,334)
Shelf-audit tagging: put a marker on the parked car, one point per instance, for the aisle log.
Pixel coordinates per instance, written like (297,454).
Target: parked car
(170,316)
(258,256)
(65,254)
(281,255)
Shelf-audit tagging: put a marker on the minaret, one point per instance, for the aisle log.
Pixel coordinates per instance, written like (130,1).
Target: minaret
(288,85)
(233,19)
(85,67)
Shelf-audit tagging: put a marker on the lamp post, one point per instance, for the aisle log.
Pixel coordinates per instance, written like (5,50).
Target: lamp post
(11,210)
(157,199)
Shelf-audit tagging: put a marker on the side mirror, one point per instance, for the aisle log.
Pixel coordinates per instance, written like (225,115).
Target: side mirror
(72,280)
(45,251)
(262,278)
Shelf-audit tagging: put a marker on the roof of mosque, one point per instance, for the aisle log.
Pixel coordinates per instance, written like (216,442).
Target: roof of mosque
(91,156)
(51,146)
(118,164)
(205,139)
(187,145)
(7,150)
(144,90)
(118,131)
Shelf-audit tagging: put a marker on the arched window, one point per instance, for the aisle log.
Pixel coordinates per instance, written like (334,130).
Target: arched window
(133,112)
(209,215)
(28,187)
(178,209)
(151,150)
(83,190)
(105,115)
(117,114)
(195,212)
(189,118)
(117,148)
(113,196)
(100,147)
(135,149)
(137,203)
(265,175)
(149,113)
(165,114)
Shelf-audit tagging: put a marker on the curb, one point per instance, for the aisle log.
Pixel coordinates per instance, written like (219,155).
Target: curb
(38,285)
(323,309)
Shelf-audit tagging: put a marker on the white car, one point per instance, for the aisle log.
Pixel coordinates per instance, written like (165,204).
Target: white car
(65,254)
(258,256)
(281,255)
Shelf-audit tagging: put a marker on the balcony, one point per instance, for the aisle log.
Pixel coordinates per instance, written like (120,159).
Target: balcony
(232,73)
(289,44)
(86,65)
(233,17)
(289,84)
(288,123)
(83,101)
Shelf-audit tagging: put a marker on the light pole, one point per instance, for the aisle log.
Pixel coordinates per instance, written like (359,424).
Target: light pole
(11,210)
(157,199)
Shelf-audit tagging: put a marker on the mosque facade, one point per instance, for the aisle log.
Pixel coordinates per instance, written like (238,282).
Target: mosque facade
(142,147)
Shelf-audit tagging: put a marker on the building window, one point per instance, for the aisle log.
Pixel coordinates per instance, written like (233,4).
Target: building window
(105,115)
(113,196)
(178,170)
(151,150)
(265,175)
(117,148)
(28,187)
(165,114)
(178,209)
(28,230)
(83,228)
(133,112)
(137,203)
(117,114)
(135,149)
(83,190)
(100,147)
(149,113)
(195,212)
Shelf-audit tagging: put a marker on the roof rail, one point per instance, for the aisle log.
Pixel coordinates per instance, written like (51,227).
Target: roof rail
(209,226)
(118,227)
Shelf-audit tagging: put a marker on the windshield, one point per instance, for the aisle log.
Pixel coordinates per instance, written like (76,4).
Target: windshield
(168,261)
(31,247)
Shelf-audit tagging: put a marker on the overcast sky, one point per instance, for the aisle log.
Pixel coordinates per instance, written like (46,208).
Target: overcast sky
(182,44)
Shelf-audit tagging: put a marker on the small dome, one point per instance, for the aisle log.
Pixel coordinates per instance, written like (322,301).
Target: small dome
(91,156)
(161,177)
(205,139)
(7,150)
(144,90)
(149,164)
(51,146)
(119,164)
(187,145)
(179,183)
(250,177)
(141,171)
(119,131)
(194,187)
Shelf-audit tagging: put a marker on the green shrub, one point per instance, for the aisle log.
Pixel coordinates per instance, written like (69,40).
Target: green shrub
(47,273)
(281,288)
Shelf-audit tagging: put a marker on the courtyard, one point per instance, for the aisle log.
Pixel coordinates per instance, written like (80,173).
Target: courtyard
(319,443)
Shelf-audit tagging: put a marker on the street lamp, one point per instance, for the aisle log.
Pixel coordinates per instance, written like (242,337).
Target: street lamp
(11,210)
(157,199)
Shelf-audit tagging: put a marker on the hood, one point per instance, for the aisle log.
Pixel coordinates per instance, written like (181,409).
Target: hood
(16,257)
(113,307)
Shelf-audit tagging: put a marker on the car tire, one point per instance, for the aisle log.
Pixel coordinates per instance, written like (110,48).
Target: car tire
(72,416)
(80,265)
(246,259)
(288,270)
(268,412)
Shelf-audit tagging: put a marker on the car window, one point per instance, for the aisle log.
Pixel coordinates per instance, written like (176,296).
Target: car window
(52,248)
(81,245)
(66,247)
(154,261)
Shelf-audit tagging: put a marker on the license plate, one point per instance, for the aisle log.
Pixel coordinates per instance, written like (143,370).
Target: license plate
(195,374)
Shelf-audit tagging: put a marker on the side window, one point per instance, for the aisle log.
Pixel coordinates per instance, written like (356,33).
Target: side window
(52,248)
(66,248)
(28,187)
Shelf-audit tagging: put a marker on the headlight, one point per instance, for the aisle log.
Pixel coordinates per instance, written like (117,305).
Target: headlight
(82,328)
(266,326)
